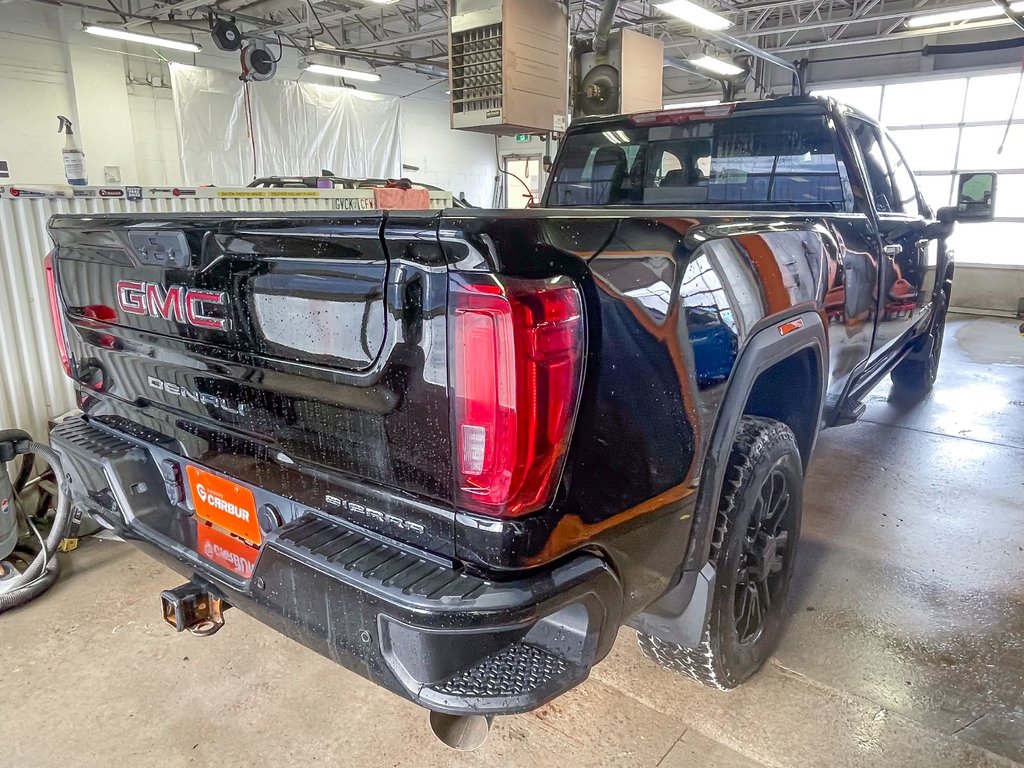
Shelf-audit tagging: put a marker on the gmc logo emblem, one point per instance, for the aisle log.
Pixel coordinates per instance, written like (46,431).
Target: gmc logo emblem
(184,305)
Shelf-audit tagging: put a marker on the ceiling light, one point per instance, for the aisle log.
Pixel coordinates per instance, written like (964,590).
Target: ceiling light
(694,104)
(964,14)
(719,67)
(616,137)
(160,42)
(350,74)
(695,14)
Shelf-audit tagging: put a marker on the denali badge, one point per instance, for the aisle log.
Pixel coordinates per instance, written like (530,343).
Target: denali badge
(185,305)
(200,397)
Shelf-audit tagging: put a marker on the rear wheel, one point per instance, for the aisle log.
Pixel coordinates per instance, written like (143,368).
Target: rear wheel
(753,550)
(917,376)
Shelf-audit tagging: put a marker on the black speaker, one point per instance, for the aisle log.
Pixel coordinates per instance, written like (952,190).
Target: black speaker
(226,35)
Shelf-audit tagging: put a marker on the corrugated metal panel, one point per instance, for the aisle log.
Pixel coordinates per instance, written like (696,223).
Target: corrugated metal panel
(32,383)
(33,387)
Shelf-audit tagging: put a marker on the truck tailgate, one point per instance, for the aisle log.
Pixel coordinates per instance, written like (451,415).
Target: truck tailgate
(270,346)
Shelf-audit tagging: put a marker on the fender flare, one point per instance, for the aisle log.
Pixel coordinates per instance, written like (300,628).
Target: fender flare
(681,613)
(763,349)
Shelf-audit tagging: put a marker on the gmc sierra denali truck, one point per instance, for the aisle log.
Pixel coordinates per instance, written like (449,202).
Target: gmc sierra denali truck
(456,452)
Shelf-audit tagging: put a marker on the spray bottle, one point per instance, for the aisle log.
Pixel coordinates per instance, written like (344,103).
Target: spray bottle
(74,158)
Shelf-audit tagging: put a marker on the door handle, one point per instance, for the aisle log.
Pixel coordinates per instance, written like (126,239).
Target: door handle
(894,249)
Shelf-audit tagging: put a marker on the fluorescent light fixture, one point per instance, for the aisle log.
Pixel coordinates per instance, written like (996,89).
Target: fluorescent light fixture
(693,104)
(964,14)
(134,37)
(719,67)
(694,14)
(616,137)
(350,74)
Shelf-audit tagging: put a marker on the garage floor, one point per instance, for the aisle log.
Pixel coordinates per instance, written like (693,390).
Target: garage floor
(905,646)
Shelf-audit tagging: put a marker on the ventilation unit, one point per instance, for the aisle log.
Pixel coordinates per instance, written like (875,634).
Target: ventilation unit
(508,64)
(627,78)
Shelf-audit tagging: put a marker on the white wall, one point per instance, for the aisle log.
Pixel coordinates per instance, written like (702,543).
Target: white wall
(105,131)
(988,288)
(157,158)
(459,161)
(33,91)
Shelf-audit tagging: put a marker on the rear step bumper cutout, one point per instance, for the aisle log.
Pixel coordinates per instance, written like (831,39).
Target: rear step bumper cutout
(446,639)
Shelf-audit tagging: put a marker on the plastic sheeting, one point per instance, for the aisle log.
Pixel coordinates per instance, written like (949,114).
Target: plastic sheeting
(298,129)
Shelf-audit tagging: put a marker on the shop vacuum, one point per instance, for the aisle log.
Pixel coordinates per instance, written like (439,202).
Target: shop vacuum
(37,555)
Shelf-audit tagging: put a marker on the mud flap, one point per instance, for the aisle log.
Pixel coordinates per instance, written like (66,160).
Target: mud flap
(680,615)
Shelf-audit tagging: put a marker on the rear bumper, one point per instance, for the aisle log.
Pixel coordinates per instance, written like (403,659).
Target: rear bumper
(418,626)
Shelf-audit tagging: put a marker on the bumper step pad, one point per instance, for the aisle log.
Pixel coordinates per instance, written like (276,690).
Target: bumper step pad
(452,666)
(516,671)
(516,679)
(337,547)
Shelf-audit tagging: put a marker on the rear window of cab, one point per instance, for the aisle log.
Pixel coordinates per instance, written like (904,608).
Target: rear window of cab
(769,160)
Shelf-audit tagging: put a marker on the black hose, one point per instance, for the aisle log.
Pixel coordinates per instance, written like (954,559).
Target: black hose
(24,472)
(43,571)
(18,596)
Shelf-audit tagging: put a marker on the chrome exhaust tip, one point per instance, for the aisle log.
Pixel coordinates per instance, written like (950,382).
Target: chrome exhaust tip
(461,732)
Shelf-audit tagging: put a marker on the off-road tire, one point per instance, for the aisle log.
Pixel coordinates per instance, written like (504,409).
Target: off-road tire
(762,448)
(917,376)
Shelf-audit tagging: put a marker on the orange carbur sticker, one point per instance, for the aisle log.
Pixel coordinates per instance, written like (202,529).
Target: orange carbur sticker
(224,503)
(226,551)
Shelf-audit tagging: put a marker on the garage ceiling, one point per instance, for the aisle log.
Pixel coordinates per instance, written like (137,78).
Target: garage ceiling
(413,34)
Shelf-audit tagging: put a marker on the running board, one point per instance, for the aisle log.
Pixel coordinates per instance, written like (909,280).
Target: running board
(852,411)
(839,414)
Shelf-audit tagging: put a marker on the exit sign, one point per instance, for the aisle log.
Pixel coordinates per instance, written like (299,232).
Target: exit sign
(522,138)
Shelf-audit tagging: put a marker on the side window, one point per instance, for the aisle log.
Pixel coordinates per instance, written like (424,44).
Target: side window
(902,178)
(874,161)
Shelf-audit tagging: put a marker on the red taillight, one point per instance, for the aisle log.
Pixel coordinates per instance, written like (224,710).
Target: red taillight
(55,314)
(516,369)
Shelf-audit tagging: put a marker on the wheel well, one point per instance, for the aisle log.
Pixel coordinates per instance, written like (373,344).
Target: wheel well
(790,392)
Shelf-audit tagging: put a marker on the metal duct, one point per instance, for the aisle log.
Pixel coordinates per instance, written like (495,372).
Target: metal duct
(604,26)
(982,47)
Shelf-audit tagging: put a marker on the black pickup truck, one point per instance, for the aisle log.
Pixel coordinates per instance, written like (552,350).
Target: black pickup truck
(456,452)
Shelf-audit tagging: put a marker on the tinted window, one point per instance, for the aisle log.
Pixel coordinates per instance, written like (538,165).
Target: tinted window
(777,161)
(874,161)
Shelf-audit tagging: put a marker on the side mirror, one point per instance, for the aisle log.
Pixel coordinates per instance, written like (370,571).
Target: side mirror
(975,199)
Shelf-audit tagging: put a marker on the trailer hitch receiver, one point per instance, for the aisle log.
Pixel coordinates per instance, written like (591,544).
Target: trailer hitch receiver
(192,607)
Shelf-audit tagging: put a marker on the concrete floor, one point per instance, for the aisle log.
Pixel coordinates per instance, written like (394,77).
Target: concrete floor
(905,646)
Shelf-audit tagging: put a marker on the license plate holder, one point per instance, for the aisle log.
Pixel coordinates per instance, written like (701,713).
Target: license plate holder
(224,503)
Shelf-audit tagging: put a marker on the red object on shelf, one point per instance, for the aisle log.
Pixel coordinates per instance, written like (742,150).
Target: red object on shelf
(395,198)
